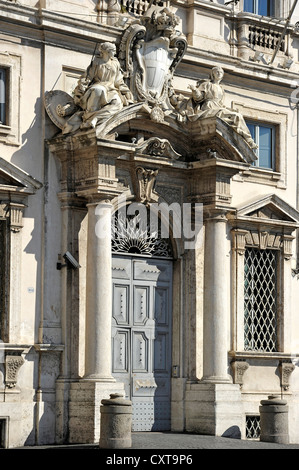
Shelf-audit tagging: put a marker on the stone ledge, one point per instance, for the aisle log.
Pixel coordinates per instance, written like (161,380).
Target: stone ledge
(262,355)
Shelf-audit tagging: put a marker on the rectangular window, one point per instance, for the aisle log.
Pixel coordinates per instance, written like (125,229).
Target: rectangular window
(253,427)
(260,7)
(3,280)
(3,432)
(260,300)
(2,96)
(264,137)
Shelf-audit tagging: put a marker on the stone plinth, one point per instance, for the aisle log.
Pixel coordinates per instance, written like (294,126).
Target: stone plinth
(84,409)
(214,409)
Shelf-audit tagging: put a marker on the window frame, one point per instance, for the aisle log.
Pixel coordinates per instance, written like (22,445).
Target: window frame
(4,279)
(10,129)
(250,341)
(257,126)
(271,4)
(254,174)
(262,225)
(3,95)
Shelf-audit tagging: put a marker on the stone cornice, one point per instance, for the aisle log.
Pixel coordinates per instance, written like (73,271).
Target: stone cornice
(238,66)
(51,24)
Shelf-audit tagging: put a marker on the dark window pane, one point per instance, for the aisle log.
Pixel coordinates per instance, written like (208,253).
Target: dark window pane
(248,5)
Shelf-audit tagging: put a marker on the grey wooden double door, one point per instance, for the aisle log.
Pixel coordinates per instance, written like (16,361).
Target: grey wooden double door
(141,337)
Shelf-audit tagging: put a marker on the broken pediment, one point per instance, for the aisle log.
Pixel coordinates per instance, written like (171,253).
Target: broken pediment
(158,148)
(189,141)
(16,181)
(213,137)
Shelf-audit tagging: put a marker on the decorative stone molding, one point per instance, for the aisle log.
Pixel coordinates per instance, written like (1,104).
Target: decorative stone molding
(285,369)
(263,239)
(4,211)
(287,246)
(239,240)
(239,368)
(210,183)
(12,366)
(158,148)
(16,216)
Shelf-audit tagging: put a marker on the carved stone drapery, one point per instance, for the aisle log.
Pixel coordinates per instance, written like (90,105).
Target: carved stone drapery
(285,369)
(239,368)
(12,366)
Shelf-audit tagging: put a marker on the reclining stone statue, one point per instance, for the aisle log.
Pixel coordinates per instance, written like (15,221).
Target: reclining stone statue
(207,100)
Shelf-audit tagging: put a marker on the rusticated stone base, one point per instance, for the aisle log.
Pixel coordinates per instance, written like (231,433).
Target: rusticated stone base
(84,409)
(214,409)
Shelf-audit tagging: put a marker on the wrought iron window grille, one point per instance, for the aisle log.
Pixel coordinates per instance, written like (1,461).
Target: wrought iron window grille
(253,428)
(260,300)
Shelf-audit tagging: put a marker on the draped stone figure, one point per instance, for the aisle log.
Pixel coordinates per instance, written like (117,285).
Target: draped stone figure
(207,100)
(100,92)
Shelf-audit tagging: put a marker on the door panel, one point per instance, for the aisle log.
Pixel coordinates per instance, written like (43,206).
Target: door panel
(140,352)
(121,349)
(141,305)
(121,302)
(141,331)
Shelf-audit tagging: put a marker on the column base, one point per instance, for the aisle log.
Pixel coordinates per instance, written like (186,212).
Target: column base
(97,378)
(214,379)
(84,408)
(215,409)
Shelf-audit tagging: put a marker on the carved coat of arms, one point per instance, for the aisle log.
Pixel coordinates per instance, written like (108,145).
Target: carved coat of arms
(141,71)
(150,51)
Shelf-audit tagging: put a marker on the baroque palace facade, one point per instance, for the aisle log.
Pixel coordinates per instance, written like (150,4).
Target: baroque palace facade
(148,215)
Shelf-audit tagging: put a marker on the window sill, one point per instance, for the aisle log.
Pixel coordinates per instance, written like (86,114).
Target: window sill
(242,360)
(5,129)
(8,135)
(261,176)
(281,356)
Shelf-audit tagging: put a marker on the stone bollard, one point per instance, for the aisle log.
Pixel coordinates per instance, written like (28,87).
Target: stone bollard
(274,420)
(116,422)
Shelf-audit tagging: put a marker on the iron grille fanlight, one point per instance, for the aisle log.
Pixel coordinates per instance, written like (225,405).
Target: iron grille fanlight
(132,235)
(260,300)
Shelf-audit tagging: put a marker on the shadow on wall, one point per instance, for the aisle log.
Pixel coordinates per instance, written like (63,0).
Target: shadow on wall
(233,432)
(31,144)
